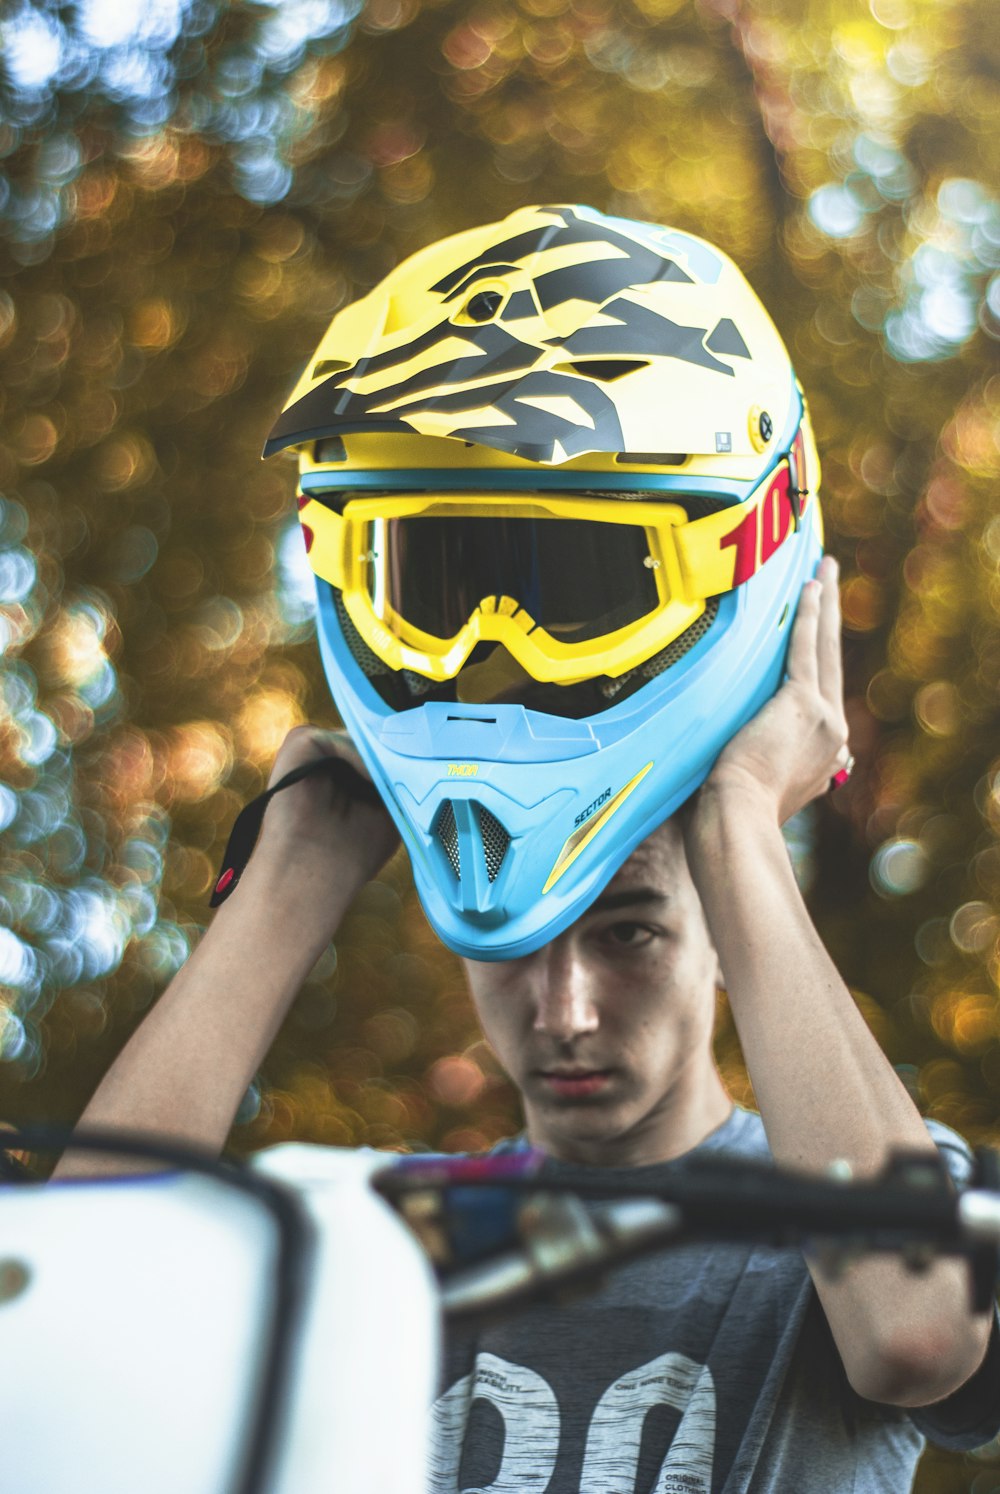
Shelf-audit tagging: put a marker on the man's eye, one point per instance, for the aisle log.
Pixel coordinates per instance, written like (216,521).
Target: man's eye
(629,935)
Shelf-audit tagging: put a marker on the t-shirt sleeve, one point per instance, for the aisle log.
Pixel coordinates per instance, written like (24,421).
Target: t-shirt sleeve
(970,1417)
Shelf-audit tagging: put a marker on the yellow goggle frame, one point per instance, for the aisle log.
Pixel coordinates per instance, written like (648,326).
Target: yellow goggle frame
(690,561)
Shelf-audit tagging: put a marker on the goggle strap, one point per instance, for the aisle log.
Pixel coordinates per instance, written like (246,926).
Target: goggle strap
(246,828)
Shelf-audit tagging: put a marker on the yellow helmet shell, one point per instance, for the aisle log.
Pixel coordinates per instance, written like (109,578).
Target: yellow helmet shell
(556,335)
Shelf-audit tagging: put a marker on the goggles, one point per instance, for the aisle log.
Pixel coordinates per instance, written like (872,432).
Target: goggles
(573,586)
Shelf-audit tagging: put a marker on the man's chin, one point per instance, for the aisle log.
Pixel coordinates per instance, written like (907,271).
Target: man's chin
(568,1129)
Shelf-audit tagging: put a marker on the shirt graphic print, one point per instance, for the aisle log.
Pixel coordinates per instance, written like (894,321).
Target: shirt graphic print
(529,1411)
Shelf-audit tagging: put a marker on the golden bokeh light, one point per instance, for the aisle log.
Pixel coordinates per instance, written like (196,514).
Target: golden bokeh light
(171,259)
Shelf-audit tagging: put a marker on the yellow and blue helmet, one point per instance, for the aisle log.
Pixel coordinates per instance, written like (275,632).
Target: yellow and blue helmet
(558,489)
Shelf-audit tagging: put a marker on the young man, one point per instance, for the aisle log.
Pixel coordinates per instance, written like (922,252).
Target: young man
(555,487)
(732,1368)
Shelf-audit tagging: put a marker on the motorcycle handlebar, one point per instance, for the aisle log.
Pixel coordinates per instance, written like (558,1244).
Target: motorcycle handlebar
(546,1237)
(499,1228)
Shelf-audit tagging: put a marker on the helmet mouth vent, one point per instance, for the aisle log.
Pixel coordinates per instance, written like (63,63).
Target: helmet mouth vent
(494,839)
(447,833)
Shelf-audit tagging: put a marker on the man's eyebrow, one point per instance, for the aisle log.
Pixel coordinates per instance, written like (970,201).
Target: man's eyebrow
(629,897)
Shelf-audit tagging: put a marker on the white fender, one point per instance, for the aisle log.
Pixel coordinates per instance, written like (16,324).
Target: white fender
(134,1316)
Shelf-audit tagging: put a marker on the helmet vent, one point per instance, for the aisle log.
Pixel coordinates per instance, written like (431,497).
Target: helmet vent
(401,689)
(483,306)
(367,661)
(447,834)
(331,365)
(606,370)
(611,688)
(495,841)
(329,449)
(680,646)
(651,459)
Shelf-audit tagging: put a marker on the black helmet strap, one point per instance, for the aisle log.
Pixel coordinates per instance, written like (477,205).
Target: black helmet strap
(246,829)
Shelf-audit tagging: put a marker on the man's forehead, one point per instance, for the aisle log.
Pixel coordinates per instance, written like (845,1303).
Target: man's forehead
(659,863)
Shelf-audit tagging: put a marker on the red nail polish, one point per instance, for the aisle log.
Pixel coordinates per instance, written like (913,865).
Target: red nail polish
(308,536)
(225,879)
(303,499)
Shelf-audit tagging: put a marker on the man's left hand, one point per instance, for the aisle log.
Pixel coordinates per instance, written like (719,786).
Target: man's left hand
(787,755)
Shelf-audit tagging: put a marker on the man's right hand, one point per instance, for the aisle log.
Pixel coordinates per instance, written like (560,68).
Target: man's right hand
(316,819)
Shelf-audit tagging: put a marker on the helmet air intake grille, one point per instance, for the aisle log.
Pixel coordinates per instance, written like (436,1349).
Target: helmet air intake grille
(447,833)
(676,650)
(400,689)
(367,661)
(611,689)
(495,841)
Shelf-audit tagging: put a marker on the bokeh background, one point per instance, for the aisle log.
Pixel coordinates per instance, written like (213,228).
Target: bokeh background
(188,190)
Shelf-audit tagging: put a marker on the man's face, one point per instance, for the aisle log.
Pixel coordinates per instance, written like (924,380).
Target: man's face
(607,1030)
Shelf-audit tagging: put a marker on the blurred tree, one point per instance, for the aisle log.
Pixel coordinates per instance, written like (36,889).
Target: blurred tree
(188,192)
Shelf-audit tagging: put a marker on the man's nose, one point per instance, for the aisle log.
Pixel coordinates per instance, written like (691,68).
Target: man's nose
(565,999)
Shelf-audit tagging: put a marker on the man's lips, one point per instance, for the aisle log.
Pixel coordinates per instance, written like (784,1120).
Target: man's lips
(576,1083)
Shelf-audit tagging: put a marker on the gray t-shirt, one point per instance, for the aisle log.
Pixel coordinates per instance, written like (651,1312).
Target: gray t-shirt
(697,1370)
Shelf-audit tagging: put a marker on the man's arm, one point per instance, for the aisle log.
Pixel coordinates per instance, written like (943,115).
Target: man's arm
(825,1089)
(185,1070)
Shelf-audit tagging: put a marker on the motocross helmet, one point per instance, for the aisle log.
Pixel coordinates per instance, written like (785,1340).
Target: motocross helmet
(558,489)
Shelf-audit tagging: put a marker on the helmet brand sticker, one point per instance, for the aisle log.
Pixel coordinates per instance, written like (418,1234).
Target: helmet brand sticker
(755,540)
(581,837)
(586,813)
(463,770)
(723,440)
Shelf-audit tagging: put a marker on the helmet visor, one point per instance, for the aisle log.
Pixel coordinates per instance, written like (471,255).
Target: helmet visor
(575,579)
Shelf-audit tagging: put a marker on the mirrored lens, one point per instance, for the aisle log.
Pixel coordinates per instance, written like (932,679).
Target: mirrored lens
(577,579)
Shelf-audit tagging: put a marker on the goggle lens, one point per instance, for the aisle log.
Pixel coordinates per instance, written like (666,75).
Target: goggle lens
(578,580)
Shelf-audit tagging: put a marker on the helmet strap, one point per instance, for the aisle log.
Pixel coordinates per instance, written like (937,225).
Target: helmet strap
(246,829)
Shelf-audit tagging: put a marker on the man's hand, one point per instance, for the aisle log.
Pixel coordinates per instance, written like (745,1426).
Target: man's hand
(788,753)
(316,819)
